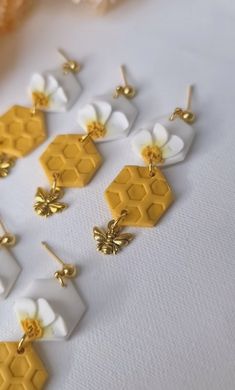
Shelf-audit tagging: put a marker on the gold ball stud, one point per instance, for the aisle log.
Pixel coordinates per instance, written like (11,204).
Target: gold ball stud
(188,117)
(129,91)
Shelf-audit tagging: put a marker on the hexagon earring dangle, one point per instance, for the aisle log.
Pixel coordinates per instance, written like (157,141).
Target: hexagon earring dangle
(70,161)
(50,309)
(9,268)
(22,129)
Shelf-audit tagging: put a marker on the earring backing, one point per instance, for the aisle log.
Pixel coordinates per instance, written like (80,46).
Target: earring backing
(125,90)
(185,114)
(68,271)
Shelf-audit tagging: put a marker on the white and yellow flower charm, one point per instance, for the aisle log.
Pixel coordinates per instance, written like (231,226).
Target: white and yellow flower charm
(161,145)
(38,319)
(157,145)
(101,122)
(46,93)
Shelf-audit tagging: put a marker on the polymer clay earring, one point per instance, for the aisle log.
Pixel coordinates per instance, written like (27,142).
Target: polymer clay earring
(56,90)
(110,116)
(62,294)
(9,268)
(71,160)
(139,196)
(168,138)
(49,310)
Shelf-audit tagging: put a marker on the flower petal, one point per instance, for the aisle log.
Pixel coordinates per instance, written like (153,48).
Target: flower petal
(117,123)
(59,328)
(103,110)
(86,115)
(58,99)
(37,83)
(160,134)
(51,85)
(173,147)
(141,140)
(45,313)
(25,308)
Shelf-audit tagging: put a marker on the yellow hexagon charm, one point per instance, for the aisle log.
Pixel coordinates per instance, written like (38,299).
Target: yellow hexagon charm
(145,198)
(74,156)
(21,131)
(23,371)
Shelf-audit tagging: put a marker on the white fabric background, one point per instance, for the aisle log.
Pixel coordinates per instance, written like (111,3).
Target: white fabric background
(161,314)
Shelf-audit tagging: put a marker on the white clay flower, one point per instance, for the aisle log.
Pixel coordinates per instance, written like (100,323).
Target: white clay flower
(46,93)
(101,122)
(157,146)
(2,287)
(38,319)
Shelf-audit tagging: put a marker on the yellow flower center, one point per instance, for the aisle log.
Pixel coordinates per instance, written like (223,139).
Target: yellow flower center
(32,328)
(152,154)
(96,129)
(40,99)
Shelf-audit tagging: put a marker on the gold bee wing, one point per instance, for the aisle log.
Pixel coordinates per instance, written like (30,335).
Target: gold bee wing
(41,195)
(123,239)
(57,207)
(99,235)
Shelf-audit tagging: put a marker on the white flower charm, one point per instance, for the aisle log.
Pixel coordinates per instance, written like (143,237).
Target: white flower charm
(38,319)
(158,146)
(102,122)
(46,93)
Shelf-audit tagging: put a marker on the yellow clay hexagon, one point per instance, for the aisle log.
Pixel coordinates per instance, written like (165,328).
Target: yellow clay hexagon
(145,198)
(21,371)
(20,131)
(74,157)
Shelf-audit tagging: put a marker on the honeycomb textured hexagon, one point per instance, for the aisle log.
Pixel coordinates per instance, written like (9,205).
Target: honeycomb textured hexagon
(21,131)
(145,198)
(74,157)
(20,371)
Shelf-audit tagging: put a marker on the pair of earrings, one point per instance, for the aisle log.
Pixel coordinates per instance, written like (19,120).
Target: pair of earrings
(23,129)
(45,312)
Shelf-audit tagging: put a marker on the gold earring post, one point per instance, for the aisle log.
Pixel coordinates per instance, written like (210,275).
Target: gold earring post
(69,65)
(50,251)
(68,271)
(3,227)
(189,97)
(123,75)
(186,114)
(126,89)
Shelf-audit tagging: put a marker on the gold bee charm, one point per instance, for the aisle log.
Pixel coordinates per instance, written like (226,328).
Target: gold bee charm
(6,163)
(47,203)
(110,242)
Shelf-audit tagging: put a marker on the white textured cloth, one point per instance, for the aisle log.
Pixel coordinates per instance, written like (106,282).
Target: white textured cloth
(161,315)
